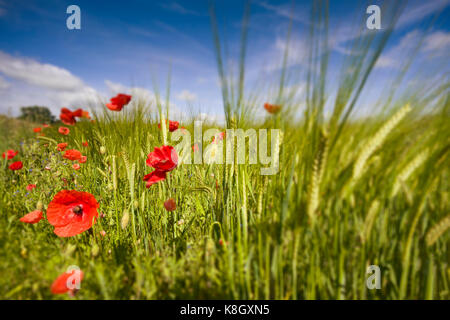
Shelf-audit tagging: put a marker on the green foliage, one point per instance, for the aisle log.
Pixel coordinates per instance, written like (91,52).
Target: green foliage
(235,234)
(350,193)
(36,114)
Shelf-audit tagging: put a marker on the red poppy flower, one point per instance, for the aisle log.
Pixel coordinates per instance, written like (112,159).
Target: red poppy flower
(164,158)
(31,187)
(103,233)
(62,146)
(154,177)
(16,165)
(83,159)
(67,282)
(170,205)
(72,154)
(195,147)
(72,212)
(46,125)
(272,108)
(64,130)
(78,113)
(37,129)
(173,125)
(32,217)
(85,114)
(9,154)
(68,117)
(118,102)
(85,143)
(76,166)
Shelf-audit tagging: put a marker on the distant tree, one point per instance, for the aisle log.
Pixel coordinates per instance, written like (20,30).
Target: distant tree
(36,114)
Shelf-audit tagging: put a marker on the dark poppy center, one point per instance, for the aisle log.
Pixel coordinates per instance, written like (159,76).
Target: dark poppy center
(77,210)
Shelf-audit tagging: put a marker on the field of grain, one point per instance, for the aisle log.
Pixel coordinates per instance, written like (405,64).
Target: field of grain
(351,192)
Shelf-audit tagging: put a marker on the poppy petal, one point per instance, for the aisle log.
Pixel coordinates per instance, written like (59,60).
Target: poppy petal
(154,177)
(32,217)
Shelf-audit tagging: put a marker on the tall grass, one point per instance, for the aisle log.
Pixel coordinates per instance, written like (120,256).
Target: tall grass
(350,193)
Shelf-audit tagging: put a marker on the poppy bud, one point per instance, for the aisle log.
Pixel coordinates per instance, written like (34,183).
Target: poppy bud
(102,150)
(70,250)
(39,205)
(95,250)
(125,219)
(170,205)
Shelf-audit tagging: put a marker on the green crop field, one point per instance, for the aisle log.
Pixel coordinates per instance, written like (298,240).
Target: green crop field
(351,192)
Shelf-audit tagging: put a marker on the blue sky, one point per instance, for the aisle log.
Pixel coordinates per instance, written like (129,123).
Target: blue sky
(121,44)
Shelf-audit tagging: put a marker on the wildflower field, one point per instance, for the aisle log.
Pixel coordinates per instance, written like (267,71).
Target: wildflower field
(105,189)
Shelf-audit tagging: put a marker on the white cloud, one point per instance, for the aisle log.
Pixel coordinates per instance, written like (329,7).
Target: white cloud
(424,9)
(4,84)
(412,13)
(438,41)
(385,62)
(137,92)
(186,95)
(178,8)
(36,83)
(210,118)
(82,97)
(38,74)
(285,11)
(272,58)
(25,81)
(297,48)
(115,87)
(146,96)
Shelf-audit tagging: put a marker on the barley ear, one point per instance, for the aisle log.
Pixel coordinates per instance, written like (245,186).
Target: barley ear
(409,169)
(437,230)
(369,220)
(316,176)
(376,141)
